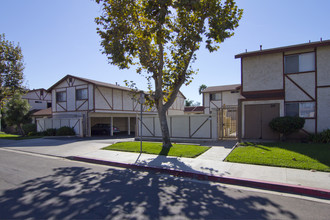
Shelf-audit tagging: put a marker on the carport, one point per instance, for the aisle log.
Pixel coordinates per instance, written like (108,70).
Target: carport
(126,123)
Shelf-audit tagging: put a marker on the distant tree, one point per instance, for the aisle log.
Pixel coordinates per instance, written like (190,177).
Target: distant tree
(17,112)
(188,103)
(11,69)
(162,37)
(201,88)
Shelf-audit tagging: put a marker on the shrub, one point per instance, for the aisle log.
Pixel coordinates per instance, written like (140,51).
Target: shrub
(287,124)
(64,131)
(33,133)
(323,137)
(50,132)
(28,128)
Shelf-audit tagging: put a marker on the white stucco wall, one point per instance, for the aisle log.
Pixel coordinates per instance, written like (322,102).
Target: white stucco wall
(262,72)
(229,98)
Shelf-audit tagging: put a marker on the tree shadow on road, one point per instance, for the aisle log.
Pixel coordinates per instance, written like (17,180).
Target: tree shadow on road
(77,192)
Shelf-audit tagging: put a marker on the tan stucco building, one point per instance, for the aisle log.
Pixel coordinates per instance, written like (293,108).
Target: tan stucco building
(285,81)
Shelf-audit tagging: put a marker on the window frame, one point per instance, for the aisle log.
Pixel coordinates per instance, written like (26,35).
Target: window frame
(300,67)
(81,98)
(300,108)
(215,95)
(58,95)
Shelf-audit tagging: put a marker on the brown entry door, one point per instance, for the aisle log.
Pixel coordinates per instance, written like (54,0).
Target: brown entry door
(257,118)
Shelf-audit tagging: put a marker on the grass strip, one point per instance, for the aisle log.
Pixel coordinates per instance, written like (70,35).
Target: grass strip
(16,137)
(290,155)
(177,150)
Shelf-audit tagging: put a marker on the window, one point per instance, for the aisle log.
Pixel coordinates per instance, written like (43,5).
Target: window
(81,94)
(60,96)
(299,63)
(37,101)
(301,109)
(215,96)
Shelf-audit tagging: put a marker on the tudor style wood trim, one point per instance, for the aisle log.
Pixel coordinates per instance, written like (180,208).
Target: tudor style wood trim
(316,90)
(82,104)
(111,108)
(299,87)
(265,94)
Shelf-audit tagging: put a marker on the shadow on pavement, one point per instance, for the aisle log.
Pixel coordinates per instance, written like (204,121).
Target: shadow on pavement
(76,192)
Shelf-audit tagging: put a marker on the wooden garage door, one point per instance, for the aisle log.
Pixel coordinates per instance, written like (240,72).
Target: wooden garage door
(257,118)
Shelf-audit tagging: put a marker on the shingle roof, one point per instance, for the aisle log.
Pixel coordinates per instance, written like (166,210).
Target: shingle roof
(108,85)
(43,112)
(222,88)
(194,108)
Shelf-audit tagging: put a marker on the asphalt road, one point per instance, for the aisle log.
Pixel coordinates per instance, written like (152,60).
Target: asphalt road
(38,187)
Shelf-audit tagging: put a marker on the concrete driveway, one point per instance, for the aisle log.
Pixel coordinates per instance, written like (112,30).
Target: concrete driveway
(60,147)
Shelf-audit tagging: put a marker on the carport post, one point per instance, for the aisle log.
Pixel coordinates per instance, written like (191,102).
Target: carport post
(129,126)
(111,126)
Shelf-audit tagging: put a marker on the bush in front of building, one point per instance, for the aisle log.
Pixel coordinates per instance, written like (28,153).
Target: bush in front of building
(50,132)
(29,128)
(287,125)
(65,131)
(323,137)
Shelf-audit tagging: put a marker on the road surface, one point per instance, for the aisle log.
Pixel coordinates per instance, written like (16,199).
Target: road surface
(38,187)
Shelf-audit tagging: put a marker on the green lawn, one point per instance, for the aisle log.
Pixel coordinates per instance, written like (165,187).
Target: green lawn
(177,150)
(292,155)
(16,137)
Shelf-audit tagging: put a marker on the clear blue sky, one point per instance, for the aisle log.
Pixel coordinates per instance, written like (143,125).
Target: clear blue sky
(58,37)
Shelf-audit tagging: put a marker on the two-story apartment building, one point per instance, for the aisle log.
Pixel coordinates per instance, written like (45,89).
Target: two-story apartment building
(38,99)
(285,81)
(217,97)
(84,103)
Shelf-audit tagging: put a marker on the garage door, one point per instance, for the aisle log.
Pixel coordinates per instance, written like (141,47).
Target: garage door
(257,118)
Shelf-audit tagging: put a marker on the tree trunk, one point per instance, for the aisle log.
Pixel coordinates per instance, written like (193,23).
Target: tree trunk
(164,127)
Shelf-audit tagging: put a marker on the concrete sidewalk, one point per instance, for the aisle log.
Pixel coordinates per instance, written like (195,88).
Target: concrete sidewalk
(208,166)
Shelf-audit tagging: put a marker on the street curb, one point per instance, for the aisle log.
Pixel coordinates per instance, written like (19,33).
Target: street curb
(272,186)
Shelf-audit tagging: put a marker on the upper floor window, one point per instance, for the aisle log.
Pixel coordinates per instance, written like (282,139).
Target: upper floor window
(299,63)
(215,96)
(60,96)
(81,94)
(301,109)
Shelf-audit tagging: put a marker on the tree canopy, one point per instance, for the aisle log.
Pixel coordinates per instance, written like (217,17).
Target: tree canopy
(11,69)
(161,37)
(17,111)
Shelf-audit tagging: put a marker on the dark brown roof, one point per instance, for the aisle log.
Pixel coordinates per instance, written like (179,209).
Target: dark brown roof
(286,48)
(108,85)
(43,112)
(222,88)
(194,108)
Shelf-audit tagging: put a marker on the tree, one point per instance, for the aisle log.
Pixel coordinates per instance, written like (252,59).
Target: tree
(201,88)
(162,37)
(17,112)
(11,69)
